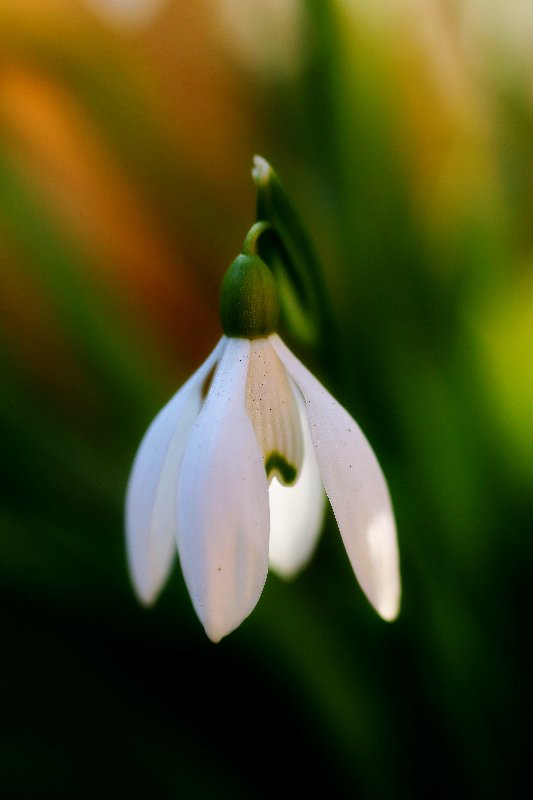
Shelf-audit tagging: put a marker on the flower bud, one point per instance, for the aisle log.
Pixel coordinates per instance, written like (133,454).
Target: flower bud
(249,301)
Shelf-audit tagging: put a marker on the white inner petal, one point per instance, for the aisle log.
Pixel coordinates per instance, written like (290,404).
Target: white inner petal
(272,408)
(296,512)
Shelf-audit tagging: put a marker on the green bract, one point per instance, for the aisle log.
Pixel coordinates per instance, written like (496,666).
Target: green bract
(249,301)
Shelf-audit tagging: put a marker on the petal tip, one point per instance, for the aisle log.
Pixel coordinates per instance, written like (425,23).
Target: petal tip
(389,609)
(214,636)
(146,595)
(385,584)
(217,629)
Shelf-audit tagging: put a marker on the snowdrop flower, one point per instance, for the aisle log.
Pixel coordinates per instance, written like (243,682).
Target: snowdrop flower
(231,474)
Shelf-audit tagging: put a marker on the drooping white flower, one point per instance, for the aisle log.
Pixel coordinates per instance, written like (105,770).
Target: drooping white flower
(231,475)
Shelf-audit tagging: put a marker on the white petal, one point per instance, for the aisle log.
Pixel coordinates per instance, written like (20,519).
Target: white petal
(151,494)
(223,516)
(271,406)
(356,488)
(296,512)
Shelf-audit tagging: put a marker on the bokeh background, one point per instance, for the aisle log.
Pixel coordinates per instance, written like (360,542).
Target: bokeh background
(403,131)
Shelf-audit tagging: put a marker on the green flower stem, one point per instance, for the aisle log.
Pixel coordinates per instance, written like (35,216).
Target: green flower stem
(250,246)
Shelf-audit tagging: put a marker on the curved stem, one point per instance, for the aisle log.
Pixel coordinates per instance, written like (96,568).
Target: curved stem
(250,247)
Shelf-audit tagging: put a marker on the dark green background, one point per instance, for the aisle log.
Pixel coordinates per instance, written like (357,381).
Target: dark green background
(431,354)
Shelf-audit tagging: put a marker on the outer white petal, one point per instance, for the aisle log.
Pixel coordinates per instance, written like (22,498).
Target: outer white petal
(296,512)
(356,488)
(223,515)
(151,493)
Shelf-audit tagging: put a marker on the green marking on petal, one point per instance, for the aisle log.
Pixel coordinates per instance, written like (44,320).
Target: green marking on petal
(276,464)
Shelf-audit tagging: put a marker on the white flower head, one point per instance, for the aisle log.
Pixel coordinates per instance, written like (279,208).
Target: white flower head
(232,472)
